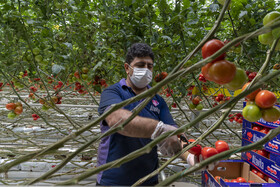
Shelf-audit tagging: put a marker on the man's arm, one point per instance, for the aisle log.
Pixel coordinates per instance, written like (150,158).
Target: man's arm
(139,127)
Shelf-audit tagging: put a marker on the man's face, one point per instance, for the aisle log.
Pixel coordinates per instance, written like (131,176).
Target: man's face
(139,62)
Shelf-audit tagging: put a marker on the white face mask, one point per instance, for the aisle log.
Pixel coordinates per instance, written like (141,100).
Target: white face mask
(141,77)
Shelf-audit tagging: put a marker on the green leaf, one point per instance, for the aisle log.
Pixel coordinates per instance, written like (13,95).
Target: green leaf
(167,38)
(99,64)
(186,4)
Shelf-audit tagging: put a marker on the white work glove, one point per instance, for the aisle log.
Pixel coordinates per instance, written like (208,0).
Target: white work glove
(193,159)
(169,146)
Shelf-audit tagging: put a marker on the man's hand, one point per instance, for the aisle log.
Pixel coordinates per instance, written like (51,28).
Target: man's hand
(171,145)
(194,159)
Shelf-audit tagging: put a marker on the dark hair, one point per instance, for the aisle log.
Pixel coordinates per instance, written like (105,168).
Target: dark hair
(139,50)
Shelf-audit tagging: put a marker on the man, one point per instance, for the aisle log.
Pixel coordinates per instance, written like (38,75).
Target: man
(150,123)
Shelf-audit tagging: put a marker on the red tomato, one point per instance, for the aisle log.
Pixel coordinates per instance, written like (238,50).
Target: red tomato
(266,178)
(233,180)
(204,71)
(265,99)
(226,180)
(262,153)
(271,114)
(222,72)
(261,175)
(196,100)
(256,128)
(196,150)
(265,130)
(221,146)
(254,171)
(211,47)
(208,152)
(252,95)
(241,179)
(251,182)
(10,106)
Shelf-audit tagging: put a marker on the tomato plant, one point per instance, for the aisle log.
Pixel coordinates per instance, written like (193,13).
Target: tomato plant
(252,113)
(221,146)
(222,72)
(238,81)
(265,99)
(271,114)
(211,47)
(208,152)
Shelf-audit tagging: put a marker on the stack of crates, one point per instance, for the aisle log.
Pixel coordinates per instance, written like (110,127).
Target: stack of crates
(261,166)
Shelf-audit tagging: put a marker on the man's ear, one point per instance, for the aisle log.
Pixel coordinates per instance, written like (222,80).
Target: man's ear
(126,67)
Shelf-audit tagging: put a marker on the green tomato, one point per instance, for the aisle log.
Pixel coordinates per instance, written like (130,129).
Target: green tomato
(45,108)
(266,38)
(238,81)
(38,58)
(84,76)
(199,107)
(142,12)
(12,115)
(271,114)
(222,2)
(192,106)
(21,73)
(276,33)
(268,19)
(85,70)
(252,113)
(36,51)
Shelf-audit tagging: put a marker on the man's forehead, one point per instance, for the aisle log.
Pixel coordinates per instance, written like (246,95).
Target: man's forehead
(143,60)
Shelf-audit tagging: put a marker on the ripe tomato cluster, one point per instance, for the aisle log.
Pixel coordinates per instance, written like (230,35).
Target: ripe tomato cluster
(58,86)
(237,180)
(261,129)
(220,70)
(35,117)
(159,77)
(236,117)
(202,78)
(251,75)
(261,105)
(195,104)
(260,174)
(220,98)
(15,108)
(207,152)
